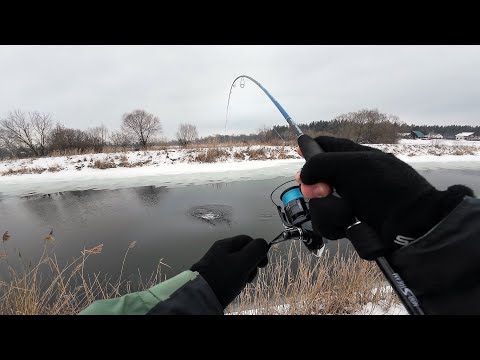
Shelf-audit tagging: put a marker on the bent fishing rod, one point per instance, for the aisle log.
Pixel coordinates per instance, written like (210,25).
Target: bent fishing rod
(295,214)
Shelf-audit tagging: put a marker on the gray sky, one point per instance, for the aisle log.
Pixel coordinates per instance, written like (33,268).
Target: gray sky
(84,86)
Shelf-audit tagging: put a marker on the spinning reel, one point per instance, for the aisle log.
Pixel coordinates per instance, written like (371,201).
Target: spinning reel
(295,216)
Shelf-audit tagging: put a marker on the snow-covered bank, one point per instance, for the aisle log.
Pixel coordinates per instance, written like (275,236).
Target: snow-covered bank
(179,167)
(434,148)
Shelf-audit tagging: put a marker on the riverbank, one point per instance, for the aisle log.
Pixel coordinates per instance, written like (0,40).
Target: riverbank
(183,167)
(178,160)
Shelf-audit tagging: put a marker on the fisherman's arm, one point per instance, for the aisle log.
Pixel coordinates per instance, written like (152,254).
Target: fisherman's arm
(431,237)
(206,289)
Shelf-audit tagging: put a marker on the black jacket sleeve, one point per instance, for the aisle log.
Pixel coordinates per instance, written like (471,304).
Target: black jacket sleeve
(442,267)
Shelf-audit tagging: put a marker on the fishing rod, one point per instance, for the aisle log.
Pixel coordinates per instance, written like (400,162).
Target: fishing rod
(295,214)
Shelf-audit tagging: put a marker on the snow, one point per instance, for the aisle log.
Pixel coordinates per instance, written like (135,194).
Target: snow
(379,309)
(170,160)
(439,142)
(368,309)
(180,167)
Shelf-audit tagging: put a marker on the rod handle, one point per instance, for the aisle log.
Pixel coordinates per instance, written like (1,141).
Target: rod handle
(308,146)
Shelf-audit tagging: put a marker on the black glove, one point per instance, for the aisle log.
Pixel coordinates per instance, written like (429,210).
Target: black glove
(377,188)
(230,264)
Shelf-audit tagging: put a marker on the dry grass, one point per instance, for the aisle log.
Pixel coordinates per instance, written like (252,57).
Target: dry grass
(34,170)
(103,164)
(54,168)
(71,152)
(283,154)
(306,284)
(47,288)
(239,155)
(313,285)
(257,154)
(440,150)
(134,164)
(24,170)
(212,155)
(123,159)
(465,150)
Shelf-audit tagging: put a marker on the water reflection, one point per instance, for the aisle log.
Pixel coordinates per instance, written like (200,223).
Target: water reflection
(150,195)
(217,185)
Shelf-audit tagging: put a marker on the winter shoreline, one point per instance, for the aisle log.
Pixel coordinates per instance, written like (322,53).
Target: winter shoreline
(181,167)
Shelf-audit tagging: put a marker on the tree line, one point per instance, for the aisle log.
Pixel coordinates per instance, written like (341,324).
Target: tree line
(363,126)
(36,134)
(368,126)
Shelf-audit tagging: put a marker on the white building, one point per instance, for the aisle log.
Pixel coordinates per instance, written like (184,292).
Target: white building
(433,135)
(464,136)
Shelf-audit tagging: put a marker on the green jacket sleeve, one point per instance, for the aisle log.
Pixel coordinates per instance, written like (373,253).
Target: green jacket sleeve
(187,293)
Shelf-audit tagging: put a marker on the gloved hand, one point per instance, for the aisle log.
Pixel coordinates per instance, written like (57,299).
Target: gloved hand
(377,188)
(230,264)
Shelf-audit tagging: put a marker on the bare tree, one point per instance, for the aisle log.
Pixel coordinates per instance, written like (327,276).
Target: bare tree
(142,126)
(103,134)
(19,130)
(120,139)
(97,137)
(42,125)
(186,134)
(6,143)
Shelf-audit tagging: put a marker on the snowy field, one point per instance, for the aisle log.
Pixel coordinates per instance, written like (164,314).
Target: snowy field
(183,167)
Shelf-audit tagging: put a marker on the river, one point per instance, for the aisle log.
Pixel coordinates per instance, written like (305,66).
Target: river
(159,219)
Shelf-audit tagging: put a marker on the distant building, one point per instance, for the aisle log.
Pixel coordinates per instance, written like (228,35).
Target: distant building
(404,135)
(417,135)
(433,135)
(465,136)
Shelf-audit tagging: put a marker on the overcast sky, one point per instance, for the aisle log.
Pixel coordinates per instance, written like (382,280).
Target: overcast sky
(84,86)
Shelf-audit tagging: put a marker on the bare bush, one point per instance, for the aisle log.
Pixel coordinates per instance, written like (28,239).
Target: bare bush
(42,125)
(97,138)
(121,139)
(66,140)
(186,134)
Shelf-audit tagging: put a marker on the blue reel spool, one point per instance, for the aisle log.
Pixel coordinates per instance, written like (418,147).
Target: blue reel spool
(290,194)
(295,206)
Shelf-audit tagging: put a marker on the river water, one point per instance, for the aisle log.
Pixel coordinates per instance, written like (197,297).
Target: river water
(174,223)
